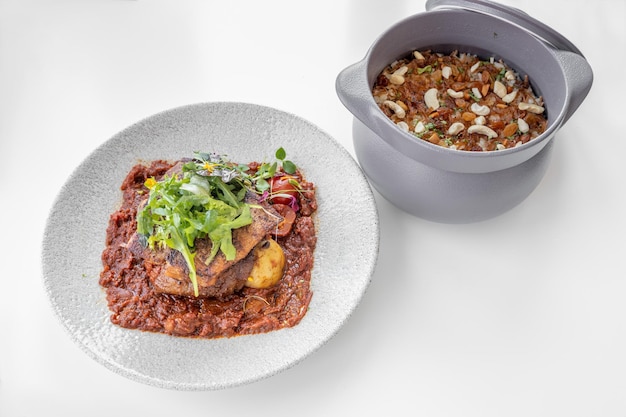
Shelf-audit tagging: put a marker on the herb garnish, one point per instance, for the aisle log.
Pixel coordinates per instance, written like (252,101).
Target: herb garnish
(473,96)
(205,200)
(427,68)
(501,74)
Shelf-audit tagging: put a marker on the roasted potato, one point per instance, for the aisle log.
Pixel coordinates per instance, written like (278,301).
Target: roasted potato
(269,264)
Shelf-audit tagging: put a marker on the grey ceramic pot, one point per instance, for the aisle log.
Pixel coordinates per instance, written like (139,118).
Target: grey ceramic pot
(452,186)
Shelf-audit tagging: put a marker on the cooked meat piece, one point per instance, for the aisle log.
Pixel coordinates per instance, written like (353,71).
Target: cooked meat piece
(175,279)
(264,221)
(177,168)
(168,271)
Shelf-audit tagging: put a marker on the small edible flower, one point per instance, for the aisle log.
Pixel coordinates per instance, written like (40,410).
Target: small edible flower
(293,203)
(150,182)
(208,167)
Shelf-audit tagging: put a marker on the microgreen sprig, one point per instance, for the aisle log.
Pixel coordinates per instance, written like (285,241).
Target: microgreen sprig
(288,166)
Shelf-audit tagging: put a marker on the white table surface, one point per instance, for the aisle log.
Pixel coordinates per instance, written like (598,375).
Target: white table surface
(523,315)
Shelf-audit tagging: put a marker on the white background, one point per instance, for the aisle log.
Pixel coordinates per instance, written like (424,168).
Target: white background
(523,315)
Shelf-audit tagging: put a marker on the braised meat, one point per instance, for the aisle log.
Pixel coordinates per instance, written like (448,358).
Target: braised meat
(168,272)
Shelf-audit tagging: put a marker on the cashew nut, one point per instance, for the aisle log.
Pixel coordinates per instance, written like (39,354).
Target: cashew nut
(510,97)
(480,120)
(454,94)
(455,128)
(419,127)
(476,92)
(403,125)
(482,130)
(523,126)
(446,72)
(499,89)
(395,107)
(402,70)
(396,79)
(431,100)
(418,55)
(380,99)
(479,109)
(533,108)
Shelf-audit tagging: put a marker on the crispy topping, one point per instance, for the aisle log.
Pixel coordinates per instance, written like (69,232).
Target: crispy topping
(460,101)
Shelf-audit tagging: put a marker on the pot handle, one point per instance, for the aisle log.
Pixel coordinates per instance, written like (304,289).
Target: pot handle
(354,92)
(579,78)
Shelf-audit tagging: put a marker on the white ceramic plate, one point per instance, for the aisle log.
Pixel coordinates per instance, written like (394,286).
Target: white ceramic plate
(345,255)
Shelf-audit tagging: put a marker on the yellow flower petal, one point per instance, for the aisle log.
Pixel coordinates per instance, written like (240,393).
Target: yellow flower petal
(150,182)
(209,167)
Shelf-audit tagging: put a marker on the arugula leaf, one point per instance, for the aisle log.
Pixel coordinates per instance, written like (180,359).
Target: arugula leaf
(221,236)
(177,242)
(182,209)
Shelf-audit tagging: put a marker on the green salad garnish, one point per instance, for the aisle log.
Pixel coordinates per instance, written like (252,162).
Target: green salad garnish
(204,200)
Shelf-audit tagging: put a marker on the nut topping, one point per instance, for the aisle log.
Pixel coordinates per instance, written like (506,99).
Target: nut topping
(532,108)
(482,130)
(480,120)
(499,89)
(523,126)
(397,77)
(395,107)
(480,109)
(431,100)
(446,72)
(508,98)
(403,125)
(454,94)
(509,130)
(456,128)
(460,101)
